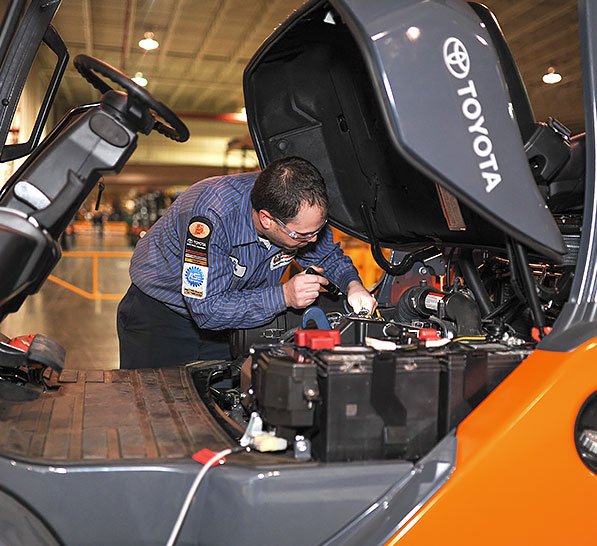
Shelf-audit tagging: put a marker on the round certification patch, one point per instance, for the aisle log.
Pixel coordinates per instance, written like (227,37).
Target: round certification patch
(199,230)
(194,276)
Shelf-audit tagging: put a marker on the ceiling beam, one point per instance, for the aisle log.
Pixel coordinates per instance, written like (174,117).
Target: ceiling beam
(213,27)
(173,56)
(538,24)
(87,26)
(162,80)
(127,34)
(165,44)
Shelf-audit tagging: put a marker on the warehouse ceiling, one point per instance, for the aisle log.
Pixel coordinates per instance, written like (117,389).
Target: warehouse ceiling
(205,45)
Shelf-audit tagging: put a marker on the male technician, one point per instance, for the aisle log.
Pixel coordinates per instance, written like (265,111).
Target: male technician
(215,259)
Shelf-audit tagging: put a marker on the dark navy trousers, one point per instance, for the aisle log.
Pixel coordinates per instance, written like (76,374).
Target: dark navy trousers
(151,335)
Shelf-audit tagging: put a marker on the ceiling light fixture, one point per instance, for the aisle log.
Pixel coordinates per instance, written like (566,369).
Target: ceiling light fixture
(139,79)
(149,42)
(551,76)
(413,33)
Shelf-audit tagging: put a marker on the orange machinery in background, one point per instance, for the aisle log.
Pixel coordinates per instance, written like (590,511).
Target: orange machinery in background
(360,254)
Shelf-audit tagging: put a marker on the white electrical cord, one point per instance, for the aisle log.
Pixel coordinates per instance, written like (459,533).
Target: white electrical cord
(189,498)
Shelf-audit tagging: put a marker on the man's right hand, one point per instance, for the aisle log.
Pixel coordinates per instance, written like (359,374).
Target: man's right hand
(302,290)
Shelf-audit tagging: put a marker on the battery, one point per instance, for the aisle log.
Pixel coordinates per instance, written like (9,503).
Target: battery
(467,378)
(285,385)
(375,405)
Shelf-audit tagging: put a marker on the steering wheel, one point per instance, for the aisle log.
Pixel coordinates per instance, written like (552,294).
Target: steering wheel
(89,67)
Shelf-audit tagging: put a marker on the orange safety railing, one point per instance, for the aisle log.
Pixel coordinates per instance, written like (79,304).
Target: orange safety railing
(95,256)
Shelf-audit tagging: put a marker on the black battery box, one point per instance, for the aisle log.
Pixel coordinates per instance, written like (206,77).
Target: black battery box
(355,403)
(242,340)
(285,386)
(467,377)
(375,405)
(354,330)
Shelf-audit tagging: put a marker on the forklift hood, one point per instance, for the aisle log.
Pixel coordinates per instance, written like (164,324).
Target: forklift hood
(404,108)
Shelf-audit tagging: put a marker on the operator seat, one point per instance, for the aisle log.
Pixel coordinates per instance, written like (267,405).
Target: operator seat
(40,199)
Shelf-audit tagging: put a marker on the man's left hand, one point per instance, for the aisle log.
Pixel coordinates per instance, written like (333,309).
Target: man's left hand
(360,299)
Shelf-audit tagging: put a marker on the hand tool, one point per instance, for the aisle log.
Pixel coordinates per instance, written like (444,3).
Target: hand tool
(332,288)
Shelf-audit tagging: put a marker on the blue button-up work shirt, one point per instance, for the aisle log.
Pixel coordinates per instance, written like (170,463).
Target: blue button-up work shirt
(224,276)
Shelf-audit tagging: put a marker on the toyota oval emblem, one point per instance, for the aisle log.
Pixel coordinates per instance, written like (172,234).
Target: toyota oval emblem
(456,58)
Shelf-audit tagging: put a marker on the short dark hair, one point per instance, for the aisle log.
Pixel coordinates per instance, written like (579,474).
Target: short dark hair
(287,184)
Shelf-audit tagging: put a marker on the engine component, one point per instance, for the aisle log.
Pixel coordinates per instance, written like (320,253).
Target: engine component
(421,302)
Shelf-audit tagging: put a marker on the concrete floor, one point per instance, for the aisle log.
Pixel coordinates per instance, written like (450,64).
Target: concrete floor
(83,319)
(84,326)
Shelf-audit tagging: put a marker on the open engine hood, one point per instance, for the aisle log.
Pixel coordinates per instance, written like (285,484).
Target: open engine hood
(403,107)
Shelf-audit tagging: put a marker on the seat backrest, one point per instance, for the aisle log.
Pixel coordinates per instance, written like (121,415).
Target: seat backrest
(40,199)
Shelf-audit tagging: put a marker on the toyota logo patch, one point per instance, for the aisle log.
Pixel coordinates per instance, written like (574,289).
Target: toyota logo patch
(456,58)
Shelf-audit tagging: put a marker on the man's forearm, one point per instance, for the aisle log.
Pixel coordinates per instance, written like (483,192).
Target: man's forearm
(238,309)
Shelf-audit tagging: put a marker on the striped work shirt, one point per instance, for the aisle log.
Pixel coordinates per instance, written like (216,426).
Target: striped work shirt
(205,261)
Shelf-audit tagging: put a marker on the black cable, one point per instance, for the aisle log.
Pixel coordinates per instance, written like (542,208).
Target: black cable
(514,273)
(502,308)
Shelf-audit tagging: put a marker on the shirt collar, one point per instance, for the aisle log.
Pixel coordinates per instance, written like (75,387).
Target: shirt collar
(265,242)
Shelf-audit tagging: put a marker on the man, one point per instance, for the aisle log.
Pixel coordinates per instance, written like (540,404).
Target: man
(215,259)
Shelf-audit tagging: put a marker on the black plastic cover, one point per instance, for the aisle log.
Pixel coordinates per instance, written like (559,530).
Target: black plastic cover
(376,405)
(402,106)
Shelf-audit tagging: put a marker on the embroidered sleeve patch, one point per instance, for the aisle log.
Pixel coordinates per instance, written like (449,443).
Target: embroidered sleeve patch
(195,267)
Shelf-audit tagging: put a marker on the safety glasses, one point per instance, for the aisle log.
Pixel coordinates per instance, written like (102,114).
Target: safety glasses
(295,234)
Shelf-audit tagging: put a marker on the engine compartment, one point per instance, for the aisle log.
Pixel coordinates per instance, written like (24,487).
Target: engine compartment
(469,290)
(336,386)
